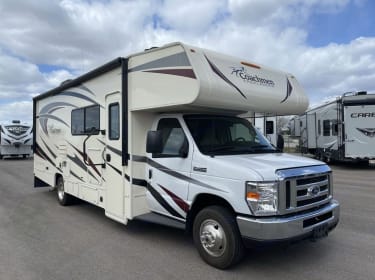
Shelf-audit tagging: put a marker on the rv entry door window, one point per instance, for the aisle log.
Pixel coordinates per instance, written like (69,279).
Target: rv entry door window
(114,121)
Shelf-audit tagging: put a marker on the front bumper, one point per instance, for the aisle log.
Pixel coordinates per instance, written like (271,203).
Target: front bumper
(265,229)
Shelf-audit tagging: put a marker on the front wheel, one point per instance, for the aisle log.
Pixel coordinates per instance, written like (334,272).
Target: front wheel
(62,197)
(217,237)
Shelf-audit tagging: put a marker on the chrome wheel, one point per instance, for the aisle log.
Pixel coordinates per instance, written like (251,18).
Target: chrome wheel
(213,238)
(60,190)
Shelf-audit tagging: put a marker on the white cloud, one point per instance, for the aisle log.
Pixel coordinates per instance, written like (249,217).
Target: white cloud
(20,110)
(80,35)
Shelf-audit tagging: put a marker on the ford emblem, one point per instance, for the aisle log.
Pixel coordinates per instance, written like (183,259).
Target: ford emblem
(313,190)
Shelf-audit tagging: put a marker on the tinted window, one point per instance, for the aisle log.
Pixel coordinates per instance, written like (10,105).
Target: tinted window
(319,128)
(334,128)
(78,121)
(326,127)
(217,135)
(114,121)
(92,119)
(173,137)
(269,127)
(85,120)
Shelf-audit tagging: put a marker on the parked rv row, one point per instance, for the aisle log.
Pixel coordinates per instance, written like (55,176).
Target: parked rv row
(341,130)
(16,139)
(157,136)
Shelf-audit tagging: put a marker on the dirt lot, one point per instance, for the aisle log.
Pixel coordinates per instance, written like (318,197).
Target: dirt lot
(41,240)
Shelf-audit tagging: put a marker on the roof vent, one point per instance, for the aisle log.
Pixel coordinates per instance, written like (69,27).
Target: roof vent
(361,92)
(16,121)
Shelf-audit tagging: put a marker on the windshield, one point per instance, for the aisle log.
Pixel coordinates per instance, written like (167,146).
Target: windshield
(224,135)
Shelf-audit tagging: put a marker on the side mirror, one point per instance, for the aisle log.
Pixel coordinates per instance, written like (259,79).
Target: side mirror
(184,150)
(154,142)
(280,142)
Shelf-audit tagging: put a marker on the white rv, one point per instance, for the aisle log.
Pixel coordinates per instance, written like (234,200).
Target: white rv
(156,136)
(15,139)
(342,130)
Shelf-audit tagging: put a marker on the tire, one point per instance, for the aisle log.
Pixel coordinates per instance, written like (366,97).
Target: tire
(217,238)
(62,197)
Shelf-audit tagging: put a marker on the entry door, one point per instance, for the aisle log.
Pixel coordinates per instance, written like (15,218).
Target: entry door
(113,172)
(169,172)
(311,130)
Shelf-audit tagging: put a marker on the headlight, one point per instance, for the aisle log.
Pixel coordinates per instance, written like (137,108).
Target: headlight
(262,197)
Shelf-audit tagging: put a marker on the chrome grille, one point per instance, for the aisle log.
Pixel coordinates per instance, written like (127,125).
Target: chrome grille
(304,188)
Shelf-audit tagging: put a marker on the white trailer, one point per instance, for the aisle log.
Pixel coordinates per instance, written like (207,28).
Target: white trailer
(342,130)
(156,136)
(15,139)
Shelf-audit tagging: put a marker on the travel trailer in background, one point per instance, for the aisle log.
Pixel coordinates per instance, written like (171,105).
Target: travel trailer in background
(342,130)
(156,136)
(16,139)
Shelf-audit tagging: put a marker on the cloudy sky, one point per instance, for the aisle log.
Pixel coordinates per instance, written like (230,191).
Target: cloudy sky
(329,45)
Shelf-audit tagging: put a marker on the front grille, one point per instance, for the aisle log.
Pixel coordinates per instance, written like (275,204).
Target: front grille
(302,192)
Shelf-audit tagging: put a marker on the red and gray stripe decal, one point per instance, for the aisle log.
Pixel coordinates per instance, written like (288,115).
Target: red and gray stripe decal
(179,201)
(216,70)
(159,198)
(177,64)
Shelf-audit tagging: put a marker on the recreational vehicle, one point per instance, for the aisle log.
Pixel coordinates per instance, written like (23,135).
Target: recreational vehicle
(342,130)
(15,139)
(156,136)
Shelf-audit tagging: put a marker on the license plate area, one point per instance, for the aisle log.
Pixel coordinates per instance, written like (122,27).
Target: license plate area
(320,232)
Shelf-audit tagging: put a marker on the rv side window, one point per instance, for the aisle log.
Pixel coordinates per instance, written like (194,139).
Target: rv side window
(334,128)
(173,138)
(85,120)
(114,121)
(269,127)
(326,128)
(319,128)
(78,121)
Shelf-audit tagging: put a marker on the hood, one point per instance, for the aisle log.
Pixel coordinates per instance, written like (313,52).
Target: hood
(260,166)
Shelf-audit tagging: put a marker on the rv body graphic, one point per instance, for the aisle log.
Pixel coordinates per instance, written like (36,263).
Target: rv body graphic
(341,130)
(16,139)
(156,136)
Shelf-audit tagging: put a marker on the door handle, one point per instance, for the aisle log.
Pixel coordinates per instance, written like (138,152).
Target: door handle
(150,173)
(108,157)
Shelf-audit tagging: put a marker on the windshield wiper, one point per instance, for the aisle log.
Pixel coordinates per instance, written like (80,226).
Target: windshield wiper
(222,148)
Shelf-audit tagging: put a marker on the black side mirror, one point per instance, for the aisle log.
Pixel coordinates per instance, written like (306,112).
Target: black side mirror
(280,142)
(154,142)
(184,150)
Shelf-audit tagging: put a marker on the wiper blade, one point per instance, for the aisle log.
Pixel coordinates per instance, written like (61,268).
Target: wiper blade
(259,146)
(222,148)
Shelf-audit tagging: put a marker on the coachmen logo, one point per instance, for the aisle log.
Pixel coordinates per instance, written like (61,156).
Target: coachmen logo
(240,72)
(313,190)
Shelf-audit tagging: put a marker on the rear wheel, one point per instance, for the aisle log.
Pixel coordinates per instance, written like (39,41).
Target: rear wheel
(62,197)
(217,237)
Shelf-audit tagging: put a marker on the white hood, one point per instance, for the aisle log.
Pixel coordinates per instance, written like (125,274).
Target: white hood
(260,166)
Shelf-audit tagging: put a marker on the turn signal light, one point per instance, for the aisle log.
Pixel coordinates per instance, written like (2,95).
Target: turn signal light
(252,195)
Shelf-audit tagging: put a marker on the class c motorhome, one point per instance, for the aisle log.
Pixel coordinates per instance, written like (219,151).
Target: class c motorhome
(156,136)
(342,130)
(15,139)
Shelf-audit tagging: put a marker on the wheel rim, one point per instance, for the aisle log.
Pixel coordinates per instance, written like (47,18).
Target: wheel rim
(60,190)
(213,238)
